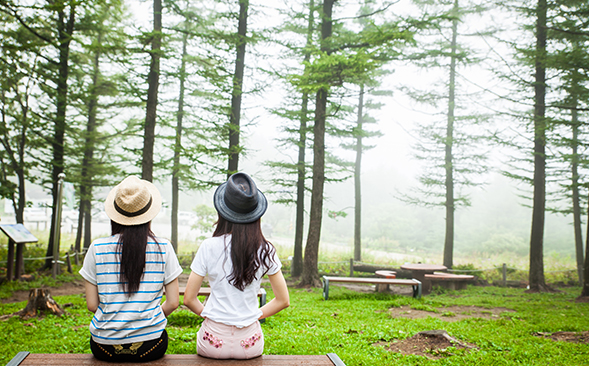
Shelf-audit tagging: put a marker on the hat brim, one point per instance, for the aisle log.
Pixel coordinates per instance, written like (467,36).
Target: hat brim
(236,217)
(113,214)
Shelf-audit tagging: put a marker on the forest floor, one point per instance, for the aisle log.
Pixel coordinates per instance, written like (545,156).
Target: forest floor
(432,347)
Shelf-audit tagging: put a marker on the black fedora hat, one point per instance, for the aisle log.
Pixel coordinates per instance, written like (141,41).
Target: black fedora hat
(239,201)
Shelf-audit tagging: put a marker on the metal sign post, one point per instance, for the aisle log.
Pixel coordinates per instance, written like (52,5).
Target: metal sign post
(19,235)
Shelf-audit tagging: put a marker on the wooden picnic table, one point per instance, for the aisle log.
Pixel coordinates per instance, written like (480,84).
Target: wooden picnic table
(384,274)
(420,269)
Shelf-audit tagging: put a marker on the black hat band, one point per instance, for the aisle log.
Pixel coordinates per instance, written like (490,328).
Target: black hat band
(133,214)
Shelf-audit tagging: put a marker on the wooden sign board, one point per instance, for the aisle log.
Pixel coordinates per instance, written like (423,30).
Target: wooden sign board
(18,233)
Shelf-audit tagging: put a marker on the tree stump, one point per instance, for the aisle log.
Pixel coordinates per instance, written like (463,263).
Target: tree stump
(40,300)
(443,335)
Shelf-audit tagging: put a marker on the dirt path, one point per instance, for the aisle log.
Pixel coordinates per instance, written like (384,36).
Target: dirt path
(69,288)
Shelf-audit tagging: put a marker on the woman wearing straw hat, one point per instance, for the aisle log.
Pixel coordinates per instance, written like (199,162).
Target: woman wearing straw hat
(126,274)
(235,259)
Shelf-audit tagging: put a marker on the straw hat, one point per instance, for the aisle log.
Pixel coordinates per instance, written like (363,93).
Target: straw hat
(134,201)
(239,201)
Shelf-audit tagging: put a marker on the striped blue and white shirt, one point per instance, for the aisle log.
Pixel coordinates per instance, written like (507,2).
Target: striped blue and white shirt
(122,319)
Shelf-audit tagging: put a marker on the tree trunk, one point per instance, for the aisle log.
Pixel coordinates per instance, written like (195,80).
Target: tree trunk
(87,225)
(80,226)
(311,275)
(586,272)
(357,178)
(297,262)
(147,162)
(19,170)
(17,161)
(65,31)
(178,143)
(576,211)
(536,271)
(449,169)
(86,181)
(236,95)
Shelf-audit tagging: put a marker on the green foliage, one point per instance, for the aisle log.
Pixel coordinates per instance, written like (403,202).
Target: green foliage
(506,242)
(467,269)
(206,218)
(566,95)
(452,145)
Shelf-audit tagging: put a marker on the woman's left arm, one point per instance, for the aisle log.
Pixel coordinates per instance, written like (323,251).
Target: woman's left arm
(172,297)
(281,292)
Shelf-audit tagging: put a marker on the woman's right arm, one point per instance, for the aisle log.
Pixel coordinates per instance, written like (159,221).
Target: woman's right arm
(193,286)
(172,297)
(91,296)
(281,292)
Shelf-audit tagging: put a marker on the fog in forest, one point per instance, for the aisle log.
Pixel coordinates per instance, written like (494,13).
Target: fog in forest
(496,222)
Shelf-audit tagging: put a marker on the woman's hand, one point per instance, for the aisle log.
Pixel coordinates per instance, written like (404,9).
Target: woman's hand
(193,286)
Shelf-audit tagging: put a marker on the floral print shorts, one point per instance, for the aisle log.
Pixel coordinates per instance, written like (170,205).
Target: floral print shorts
(217,340)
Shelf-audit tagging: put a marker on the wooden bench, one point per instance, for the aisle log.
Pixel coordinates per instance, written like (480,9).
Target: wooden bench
(449,280)
(206,291)
(416,285)
(27,359)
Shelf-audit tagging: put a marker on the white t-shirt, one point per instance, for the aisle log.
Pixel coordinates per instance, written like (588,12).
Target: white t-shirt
(227,304)
(120,319)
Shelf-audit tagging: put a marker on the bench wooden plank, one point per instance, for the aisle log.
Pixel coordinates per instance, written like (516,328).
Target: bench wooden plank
(393,281)
(206,291)
(416,285)
(448,277)
(194,360)
(449,280)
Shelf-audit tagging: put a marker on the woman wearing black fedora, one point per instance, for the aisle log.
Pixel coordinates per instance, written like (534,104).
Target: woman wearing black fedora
(126,274)
(235,259)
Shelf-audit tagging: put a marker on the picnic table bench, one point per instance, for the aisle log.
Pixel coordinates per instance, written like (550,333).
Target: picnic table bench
(449,280)
(70,359)
(384,274)
(419,270)
(416,285)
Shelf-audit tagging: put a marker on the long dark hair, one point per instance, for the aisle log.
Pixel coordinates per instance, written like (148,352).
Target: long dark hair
(133,240)
(249,251)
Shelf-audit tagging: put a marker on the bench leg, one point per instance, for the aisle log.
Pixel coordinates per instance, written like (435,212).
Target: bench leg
(262,301)
(326,287)
(335,359)
(18,359)
(417,289)
(262,297)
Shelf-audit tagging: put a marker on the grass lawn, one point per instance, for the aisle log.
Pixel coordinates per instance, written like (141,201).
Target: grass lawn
(350,323)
